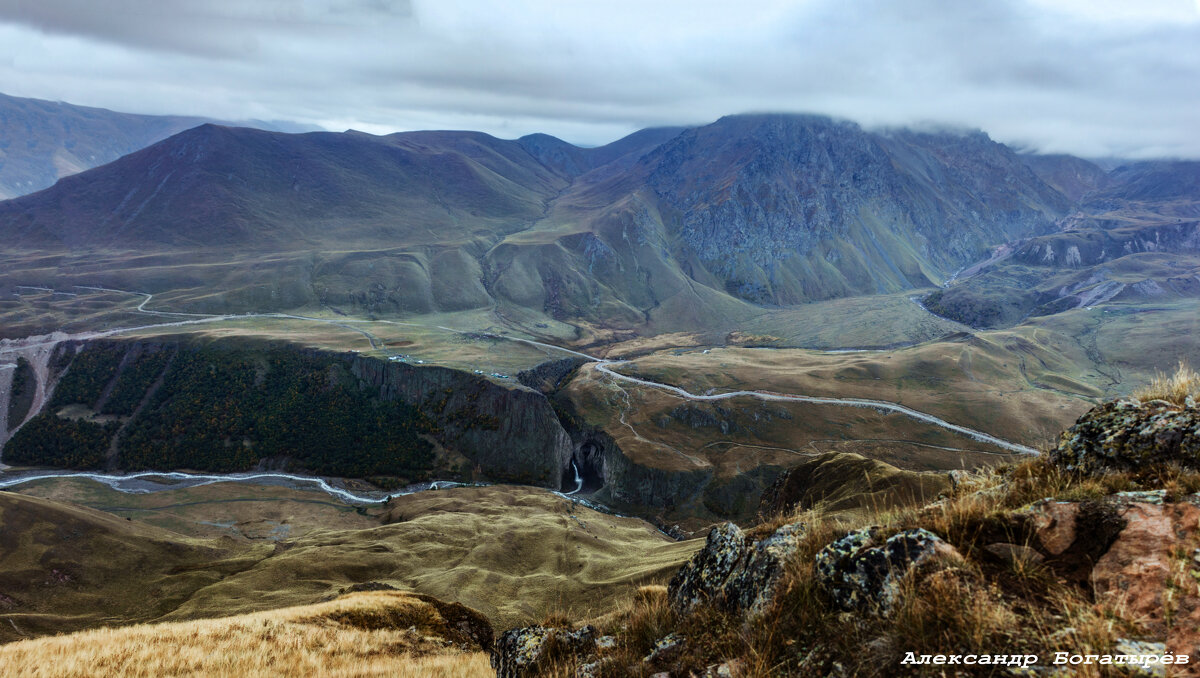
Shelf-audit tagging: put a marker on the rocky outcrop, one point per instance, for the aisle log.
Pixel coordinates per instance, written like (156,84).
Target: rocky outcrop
(1073,535)
(1125,435)
(547,377)
(530,650)
(863,570)
(1137,551)
(734,571)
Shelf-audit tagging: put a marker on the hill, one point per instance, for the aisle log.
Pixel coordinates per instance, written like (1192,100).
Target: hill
(513,553)
(43,141)
(361,634)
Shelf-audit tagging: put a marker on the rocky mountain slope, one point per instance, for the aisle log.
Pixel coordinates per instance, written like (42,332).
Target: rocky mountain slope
(44,141)
(1135,238)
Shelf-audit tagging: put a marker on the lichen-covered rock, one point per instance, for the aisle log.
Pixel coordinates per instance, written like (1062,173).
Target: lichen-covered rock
(751,586)
(666,648)
(527,651)
(703,577)
(1125,435)
(1140,648)
(734,571)
(862,570)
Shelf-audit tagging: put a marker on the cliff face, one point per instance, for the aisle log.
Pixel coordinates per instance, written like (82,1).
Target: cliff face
(513,434)
(147,404)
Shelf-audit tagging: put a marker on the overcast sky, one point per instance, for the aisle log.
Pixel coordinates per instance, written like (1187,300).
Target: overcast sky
(1090,77)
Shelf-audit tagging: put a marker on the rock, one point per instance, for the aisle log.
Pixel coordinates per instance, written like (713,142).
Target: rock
(1141,647)
(1074,535)
(1149,572)
(527,651)
(734,571)
(368,586)
(723,670)
(666,649)
(751,586)
(862,571)
(1127,435)
(594,669)
(703,577)
(1015,554)
(1054,524)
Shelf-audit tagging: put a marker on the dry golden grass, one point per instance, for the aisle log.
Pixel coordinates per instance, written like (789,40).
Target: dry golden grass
(363,634)
(1173,388)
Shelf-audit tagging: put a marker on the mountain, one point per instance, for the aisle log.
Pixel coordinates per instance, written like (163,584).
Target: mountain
(786,209)
(1071,176)
(665,229)
(1135,237)
(43,141)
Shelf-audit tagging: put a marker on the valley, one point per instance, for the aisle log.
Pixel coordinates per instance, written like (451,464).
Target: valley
(251,371)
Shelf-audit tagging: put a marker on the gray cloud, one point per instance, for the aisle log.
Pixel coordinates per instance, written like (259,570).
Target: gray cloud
(1092,78)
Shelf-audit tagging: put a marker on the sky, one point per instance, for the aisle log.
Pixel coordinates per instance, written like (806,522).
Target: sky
(1094,78)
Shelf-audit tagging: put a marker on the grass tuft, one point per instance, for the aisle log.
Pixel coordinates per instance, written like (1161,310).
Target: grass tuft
(1173,388)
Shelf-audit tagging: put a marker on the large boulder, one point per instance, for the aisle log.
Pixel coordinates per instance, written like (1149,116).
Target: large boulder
(1127,435)
(532,650)
(863,570)
(735,571)
(1139,552)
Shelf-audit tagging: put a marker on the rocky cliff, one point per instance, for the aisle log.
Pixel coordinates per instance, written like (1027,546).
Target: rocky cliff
(137,404)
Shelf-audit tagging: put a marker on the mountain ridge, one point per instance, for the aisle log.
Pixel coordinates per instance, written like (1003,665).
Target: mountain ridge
(59,139)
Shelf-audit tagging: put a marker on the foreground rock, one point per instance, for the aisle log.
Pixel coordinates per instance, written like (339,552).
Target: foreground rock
(1127,435)
(734,571)
(532,650)
(1152,570)
(1138,552)
(863,570)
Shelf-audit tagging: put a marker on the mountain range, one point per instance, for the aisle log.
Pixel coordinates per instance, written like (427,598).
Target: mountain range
(665,229)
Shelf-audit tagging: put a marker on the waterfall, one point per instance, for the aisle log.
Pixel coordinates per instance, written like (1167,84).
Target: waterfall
(578,478)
